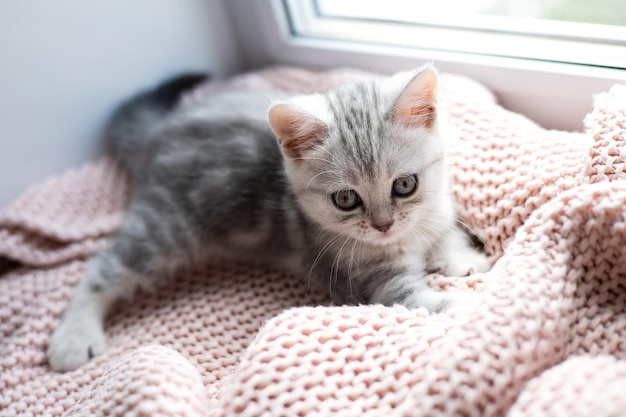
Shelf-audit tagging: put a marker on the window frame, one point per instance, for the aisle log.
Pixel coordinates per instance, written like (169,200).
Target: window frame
(554,95)
(515,37)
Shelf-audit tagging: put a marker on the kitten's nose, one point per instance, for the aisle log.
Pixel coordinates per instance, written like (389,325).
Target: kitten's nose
(383,227)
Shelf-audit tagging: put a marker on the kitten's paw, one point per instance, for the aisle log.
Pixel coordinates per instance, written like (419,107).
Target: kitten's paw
(461,302)
(466,263)
(439,301)
(74,343)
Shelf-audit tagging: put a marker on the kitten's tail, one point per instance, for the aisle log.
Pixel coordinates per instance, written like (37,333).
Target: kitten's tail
(129,125)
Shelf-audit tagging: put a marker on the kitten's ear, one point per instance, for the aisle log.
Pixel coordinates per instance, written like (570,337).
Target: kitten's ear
(417,104)
(297,131)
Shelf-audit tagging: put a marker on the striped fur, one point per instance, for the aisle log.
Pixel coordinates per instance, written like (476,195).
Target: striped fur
(213,182)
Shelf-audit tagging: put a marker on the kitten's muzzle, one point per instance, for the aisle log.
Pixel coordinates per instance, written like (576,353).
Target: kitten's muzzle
(383,227)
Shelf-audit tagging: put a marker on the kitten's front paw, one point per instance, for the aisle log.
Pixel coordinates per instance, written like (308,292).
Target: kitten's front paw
(462,302)
(74,343)
(466,263)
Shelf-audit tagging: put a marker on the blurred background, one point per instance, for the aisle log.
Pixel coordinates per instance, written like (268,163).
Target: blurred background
(65,64)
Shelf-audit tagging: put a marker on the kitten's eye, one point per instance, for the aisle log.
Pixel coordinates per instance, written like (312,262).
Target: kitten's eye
(346,199)
(405,185)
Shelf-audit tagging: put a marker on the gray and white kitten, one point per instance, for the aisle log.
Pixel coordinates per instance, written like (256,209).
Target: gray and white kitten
(347,189)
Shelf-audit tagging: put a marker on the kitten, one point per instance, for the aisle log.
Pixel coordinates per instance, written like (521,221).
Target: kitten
(347,189)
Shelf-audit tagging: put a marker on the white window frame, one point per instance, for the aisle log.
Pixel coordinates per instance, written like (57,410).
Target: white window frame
(554,95)
(509,36)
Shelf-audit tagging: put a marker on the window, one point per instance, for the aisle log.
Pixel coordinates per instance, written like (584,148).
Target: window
(535,62)
(591,32)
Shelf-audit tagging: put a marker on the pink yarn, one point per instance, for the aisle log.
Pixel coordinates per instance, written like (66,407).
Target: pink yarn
(239,340)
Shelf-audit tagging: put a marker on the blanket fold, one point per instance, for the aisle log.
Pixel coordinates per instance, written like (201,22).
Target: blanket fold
(543,308)
(66,217)
(548,338)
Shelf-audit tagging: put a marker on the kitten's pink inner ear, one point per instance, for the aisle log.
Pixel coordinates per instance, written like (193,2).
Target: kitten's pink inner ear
(296,130)
(417,105)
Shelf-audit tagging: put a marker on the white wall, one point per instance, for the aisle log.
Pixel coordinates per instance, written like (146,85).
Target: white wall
(65,64)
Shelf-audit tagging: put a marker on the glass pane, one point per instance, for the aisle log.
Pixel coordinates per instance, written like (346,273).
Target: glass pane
(570,31)
(602,20)
(605,12)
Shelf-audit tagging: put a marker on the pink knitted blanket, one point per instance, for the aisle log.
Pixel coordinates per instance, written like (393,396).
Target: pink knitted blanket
(548,339)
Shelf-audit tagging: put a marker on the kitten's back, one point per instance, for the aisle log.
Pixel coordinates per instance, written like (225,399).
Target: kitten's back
(129,126)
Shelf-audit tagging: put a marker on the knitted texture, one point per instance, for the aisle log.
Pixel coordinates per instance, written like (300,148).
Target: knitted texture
(548,338)
(607,125)
(42,226)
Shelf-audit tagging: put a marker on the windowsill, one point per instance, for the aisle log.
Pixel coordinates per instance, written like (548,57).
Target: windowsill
(554,95)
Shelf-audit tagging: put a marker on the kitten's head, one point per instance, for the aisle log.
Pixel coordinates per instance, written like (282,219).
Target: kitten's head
(367,160)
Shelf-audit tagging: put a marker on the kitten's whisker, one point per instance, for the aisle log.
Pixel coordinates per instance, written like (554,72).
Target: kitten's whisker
(357,245)
(426,229)
(333,163)
(317,175)
(352,263)
(433,244)
(313,158)
(335,264)
(469,229)
(320,254)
